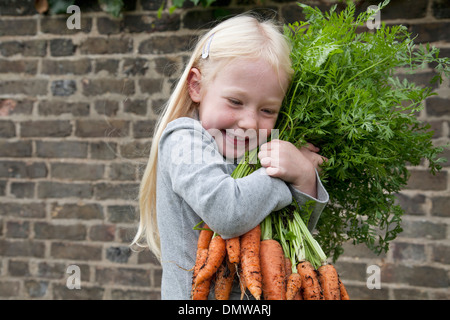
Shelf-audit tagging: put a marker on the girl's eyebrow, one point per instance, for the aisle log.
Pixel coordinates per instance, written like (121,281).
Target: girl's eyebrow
(233,91)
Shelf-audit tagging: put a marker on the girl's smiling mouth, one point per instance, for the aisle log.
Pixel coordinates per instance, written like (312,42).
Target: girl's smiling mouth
(236,140)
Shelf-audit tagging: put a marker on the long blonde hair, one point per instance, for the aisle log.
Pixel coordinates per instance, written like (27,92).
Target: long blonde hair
(243,36)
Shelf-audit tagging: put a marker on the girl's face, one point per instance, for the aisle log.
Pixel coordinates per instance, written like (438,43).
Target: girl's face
(240,105)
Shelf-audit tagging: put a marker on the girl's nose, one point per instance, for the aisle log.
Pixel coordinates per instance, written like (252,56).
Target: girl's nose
(248,120)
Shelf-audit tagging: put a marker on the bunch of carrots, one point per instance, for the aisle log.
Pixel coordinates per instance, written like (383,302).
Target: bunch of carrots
(269,262)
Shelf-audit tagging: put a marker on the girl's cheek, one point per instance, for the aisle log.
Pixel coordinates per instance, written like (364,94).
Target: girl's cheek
(227,118)
(207,122)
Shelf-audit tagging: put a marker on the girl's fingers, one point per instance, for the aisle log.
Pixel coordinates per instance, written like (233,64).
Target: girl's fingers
(269,145)
(265,162)
(311,147)
(263,147)
(268,151)
(273,172)
(317,161)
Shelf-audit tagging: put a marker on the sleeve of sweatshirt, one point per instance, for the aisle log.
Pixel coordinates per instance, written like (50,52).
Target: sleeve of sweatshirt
(198,174)
(318,204)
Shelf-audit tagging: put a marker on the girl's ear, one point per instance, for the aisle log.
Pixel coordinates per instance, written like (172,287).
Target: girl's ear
(194,79)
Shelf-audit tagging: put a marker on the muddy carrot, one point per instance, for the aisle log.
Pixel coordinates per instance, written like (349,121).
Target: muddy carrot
(201,291)
(329,282)
(233,249)
(224,280)
(311,289)
(344,293)
(204,238)
(287,266)
(250,262)
(216,254)
(298,295)
(293,286)
(273,270)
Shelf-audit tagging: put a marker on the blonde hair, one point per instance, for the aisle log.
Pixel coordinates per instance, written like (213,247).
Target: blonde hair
(243,36)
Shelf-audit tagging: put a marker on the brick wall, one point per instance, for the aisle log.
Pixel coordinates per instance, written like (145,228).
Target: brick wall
(77,108)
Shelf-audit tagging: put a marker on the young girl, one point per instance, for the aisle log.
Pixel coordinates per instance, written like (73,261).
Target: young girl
(226,101)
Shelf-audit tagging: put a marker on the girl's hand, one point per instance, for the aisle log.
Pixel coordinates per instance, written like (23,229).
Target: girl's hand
(293,165)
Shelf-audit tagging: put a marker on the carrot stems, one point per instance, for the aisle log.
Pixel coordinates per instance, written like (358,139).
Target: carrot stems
(297,247)
(296,240)
(197,227)
(266,228)
(246,164)
(314,252)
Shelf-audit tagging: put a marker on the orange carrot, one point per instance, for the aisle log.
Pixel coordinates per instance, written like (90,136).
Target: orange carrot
(216,254)
(310,283)
(201,291)
(293,285)
(329,282)
(204,238)
(233,249)
(250,262)
(298,295)
(224,280)
(202,254)
(273,270)
(287,267)
(344,294)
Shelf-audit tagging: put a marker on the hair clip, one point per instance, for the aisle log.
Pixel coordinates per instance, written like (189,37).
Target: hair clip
(205,51)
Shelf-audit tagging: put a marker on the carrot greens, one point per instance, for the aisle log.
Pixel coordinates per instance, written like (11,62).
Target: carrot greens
(348,98)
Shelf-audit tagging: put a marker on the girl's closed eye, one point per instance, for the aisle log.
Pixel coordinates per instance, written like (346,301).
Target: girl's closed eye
(235,102)
(269,111)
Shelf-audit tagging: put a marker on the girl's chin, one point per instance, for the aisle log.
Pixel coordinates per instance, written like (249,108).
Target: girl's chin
(229,152)
(233,153)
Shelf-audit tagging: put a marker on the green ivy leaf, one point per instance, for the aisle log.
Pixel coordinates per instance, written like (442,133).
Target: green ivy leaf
(178,3)
(59,6)
(113,7)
